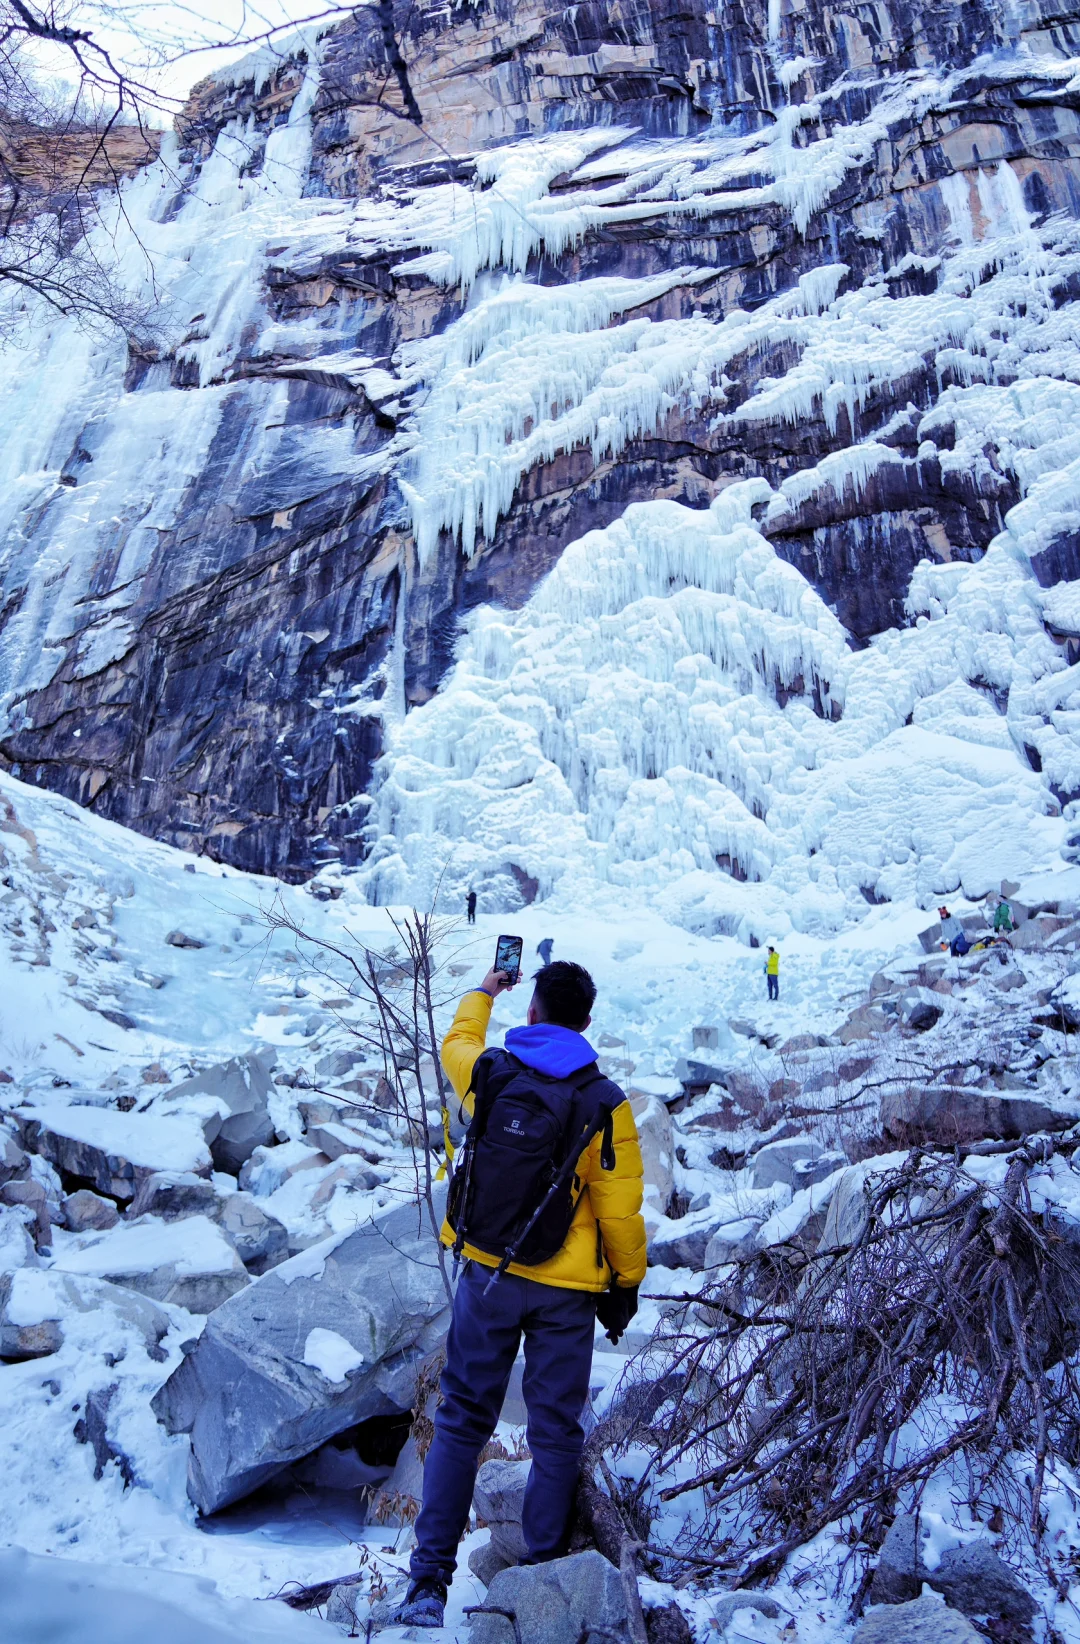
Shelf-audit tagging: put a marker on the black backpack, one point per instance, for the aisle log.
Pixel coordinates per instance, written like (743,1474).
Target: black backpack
(511,1194)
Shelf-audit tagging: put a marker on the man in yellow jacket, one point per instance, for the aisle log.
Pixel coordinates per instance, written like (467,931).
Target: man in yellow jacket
(553,1305)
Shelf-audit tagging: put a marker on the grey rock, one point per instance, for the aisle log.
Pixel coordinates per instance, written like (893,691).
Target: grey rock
(924,1621)
(93,1428)
(260,1240)
(657,1147)
(673,1248)
(499,1493)
(32,1194)
(732,1242)
(113,1152)
(174,1194)
(920,1010)
(179,939)
(25,1341)
(724,1607)
(243,1084)
(200,1285)
(486,1561)
(809,1172)
(338,1064)
(951,1114)
(555,1603)
(17,1248)
(777,1160)
(86,1212)
(975,1579)
(246,1396)
(705,1038)
(118,1018)
(896,1579)
(19,1341)
(335,1140)
(867,1022)
(14,1161)
(930,937)
(666,1624)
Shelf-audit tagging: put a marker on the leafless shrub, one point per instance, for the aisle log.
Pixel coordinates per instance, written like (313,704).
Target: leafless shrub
(400,990)
(801,1392)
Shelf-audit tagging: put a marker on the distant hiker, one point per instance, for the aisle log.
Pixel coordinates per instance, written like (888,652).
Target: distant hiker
(544,949)
(950,927)
(470,903)
(549,1277)
(1003,919)
(772,971)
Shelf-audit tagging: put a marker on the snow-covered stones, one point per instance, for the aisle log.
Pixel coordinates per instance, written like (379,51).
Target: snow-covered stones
(924,1621)
(732,1241)
(555,1603)
(920,1009)
(950,1114)
(866,1022)
(245,1394)
(241,1121)
(26,1329)
(971,1577)
(114,1151)
(189,1263)
(335,1140)
(269,1167)
(260,1240)
(776,1161)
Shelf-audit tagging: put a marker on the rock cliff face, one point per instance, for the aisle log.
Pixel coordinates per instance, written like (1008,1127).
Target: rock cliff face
(448,288)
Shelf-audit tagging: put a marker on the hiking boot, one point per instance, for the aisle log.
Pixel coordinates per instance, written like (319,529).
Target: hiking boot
(424,1605)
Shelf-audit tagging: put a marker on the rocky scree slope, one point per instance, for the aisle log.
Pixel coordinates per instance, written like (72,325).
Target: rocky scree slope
(439,297)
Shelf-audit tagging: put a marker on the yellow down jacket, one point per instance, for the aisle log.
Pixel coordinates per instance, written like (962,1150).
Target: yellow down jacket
(607,1234)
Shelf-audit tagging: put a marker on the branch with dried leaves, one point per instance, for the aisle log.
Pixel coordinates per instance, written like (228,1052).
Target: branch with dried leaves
(797,1393)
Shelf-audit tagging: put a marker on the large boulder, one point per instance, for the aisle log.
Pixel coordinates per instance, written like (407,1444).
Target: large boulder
(114,1152)
(241,1088)
(949,1114)
(556,1603)
(190,1263)
(975,1579)
(328,1339)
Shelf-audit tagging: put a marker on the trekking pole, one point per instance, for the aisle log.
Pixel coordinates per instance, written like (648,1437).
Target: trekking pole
(569,1166)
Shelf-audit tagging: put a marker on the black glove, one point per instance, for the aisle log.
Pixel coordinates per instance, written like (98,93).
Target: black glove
(615,1308)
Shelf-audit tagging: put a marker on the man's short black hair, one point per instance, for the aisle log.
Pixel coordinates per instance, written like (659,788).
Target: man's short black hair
(565,993)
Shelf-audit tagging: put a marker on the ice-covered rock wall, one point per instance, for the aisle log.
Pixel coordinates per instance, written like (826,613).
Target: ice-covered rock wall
(442,292)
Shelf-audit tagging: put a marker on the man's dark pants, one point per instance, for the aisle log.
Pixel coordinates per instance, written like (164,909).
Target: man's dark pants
(774,987)
(485,1332)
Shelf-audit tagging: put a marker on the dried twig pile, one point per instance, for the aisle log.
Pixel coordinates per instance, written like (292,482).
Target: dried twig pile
(807,1391)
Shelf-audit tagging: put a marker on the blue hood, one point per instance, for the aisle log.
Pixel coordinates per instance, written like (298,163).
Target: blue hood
(556,1051)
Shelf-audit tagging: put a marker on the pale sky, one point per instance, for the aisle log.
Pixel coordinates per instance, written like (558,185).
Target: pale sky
(148,37)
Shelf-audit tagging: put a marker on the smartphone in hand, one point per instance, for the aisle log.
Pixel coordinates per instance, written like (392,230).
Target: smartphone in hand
(508,956)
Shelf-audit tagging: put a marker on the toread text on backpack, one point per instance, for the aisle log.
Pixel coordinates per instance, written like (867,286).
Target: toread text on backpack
(512,1194)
